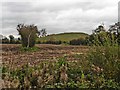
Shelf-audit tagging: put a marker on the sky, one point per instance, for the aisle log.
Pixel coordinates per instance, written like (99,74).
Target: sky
(57,16)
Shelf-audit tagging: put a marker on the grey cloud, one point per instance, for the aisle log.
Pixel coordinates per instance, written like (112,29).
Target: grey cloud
(17,6)
(24,7)
(57,17)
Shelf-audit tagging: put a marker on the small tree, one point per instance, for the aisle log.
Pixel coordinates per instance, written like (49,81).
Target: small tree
(100,36)
(115,29)
(11,39)
(99,29)
(43,32)
(28,34)
(5,40)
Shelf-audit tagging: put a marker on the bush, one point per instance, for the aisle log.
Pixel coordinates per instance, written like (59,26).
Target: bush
(103,39)
(49,42)
(79,41)
(53,42)
(28,34)
(30,49)
(108,59)
(105,55)
(5,40)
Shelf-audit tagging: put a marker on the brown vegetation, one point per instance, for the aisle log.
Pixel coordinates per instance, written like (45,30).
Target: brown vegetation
(11,55)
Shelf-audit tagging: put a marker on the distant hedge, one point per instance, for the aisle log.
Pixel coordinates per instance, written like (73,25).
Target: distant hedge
(50,42)
(79,41)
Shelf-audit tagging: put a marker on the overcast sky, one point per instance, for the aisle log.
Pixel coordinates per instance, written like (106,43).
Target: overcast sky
(58,16)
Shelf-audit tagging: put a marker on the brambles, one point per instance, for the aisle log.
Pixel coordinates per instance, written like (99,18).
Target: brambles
(63,72)
(103,37)
(49,75)
(104,57)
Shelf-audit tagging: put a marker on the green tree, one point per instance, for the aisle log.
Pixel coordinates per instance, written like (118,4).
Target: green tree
(28,34)
(99,29)
(5,40)
(12,40)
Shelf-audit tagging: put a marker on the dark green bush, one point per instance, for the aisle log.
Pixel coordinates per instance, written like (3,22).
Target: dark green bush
(79,41)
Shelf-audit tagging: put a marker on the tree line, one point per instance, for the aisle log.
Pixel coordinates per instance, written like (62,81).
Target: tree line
(10,40)
(99,36)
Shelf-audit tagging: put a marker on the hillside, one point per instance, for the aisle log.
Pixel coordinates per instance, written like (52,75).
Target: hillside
(63,37)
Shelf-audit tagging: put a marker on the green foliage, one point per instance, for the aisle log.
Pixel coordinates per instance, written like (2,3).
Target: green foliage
(11,39)
(108,59)
(105,54)
(52,42)
(62,61)
(79,41)
(30,49)
(28,34)
(102,37)
(4,69)
(5,40)
(48,75)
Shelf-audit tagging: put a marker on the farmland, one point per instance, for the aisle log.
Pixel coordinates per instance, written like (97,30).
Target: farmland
(60,66)
(60,44)
(64,37)
(91,63)
(14,59)
(12,53)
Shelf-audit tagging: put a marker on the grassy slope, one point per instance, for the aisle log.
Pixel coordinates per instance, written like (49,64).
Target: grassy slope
(63,37)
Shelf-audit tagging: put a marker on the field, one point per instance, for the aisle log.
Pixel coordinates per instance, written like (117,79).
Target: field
(13,58)
(63,37)
(60,66)
(11,53)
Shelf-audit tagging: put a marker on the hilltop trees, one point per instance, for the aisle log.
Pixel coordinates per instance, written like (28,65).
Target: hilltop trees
(28,34)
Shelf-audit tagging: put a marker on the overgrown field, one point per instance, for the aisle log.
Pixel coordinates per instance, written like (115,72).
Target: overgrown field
(14,55)
(58,66)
